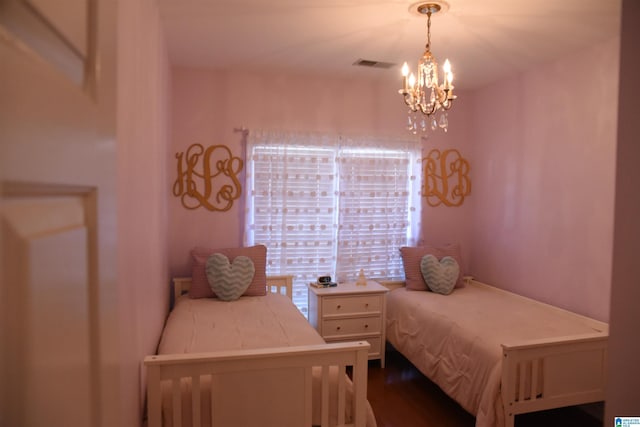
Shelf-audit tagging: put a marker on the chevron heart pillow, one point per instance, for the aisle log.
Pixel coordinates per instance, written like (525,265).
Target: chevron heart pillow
(229,280)
(440,276)
(200,287)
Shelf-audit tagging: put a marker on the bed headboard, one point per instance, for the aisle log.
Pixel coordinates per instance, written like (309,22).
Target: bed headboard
(275,285)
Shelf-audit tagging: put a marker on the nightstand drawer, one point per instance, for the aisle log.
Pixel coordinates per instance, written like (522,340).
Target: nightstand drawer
(352,304)
(355,326)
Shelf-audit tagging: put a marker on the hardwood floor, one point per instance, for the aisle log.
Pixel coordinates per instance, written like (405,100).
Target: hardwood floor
(402,397)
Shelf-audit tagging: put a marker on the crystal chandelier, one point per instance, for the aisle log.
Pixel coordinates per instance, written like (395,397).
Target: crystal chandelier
(427,100)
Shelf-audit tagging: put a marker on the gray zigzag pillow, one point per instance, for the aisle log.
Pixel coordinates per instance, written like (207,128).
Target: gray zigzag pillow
(229,280)
(440,276)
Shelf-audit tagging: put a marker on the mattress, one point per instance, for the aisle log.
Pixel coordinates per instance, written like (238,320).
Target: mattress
(455,339)
(209,325)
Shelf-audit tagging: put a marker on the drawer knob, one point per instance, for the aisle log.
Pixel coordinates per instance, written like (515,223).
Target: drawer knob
(338,307)
(366,305)
(366,326)
(337,328)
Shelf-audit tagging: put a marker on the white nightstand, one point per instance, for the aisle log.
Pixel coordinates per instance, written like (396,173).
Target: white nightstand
(351,313)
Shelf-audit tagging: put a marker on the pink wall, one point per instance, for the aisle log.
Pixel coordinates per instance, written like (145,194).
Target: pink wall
(440,224)
(143,132)
(207,105)
(544,161)
(623,398)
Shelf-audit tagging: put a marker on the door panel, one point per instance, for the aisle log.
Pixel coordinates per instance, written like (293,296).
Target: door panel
(59,365)
(59,306)
(50,319)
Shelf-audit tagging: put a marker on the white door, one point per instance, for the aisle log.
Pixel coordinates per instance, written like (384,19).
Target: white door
(58,299)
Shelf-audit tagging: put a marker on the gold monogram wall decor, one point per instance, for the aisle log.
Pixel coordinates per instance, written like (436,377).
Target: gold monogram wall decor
(208,177)
(446,178)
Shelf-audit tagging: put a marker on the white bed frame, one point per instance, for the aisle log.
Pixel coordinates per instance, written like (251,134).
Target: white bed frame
(551,373)
(297,360)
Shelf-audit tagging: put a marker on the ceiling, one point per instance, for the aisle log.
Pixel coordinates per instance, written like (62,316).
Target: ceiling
(483,39)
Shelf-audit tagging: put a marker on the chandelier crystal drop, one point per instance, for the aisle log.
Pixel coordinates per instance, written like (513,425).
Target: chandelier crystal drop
(428,101)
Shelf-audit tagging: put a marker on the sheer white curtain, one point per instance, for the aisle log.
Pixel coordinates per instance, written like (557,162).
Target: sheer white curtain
(325,204)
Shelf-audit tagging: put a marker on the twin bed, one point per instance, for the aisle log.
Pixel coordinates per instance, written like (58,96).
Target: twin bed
(257,361)
(499,354)
(253,361)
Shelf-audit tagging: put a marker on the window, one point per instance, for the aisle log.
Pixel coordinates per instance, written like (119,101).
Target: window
(327,205)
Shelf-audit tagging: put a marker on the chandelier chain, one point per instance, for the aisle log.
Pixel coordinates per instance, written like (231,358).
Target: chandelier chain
(428,46)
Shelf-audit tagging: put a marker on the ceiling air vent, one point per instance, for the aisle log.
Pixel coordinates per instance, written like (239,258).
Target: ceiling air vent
(373,64)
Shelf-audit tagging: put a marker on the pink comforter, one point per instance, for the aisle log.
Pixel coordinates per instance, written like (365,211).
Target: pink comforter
(455,339)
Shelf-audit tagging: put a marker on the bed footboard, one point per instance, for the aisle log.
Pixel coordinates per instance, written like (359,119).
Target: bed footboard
(251,387)
(546,374)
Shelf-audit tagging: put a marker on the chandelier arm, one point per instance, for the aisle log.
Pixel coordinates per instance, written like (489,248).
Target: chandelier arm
(411,105)
(448,100)
(408,99)
(430,111)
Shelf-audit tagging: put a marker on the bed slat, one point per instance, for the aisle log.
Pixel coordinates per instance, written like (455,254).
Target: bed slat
(522,380)
(324,406)
(308,398)
(176,402)
(212,397)
(195,400)
(342,374)
(534,379)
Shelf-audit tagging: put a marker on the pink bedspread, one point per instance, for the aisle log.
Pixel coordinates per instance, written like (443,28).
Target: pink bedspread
(208,324)
(455,339)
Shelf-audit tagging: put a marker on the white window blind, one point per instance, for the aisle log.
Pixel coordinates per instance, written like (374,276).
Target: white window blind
(374,211)
(330,205)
